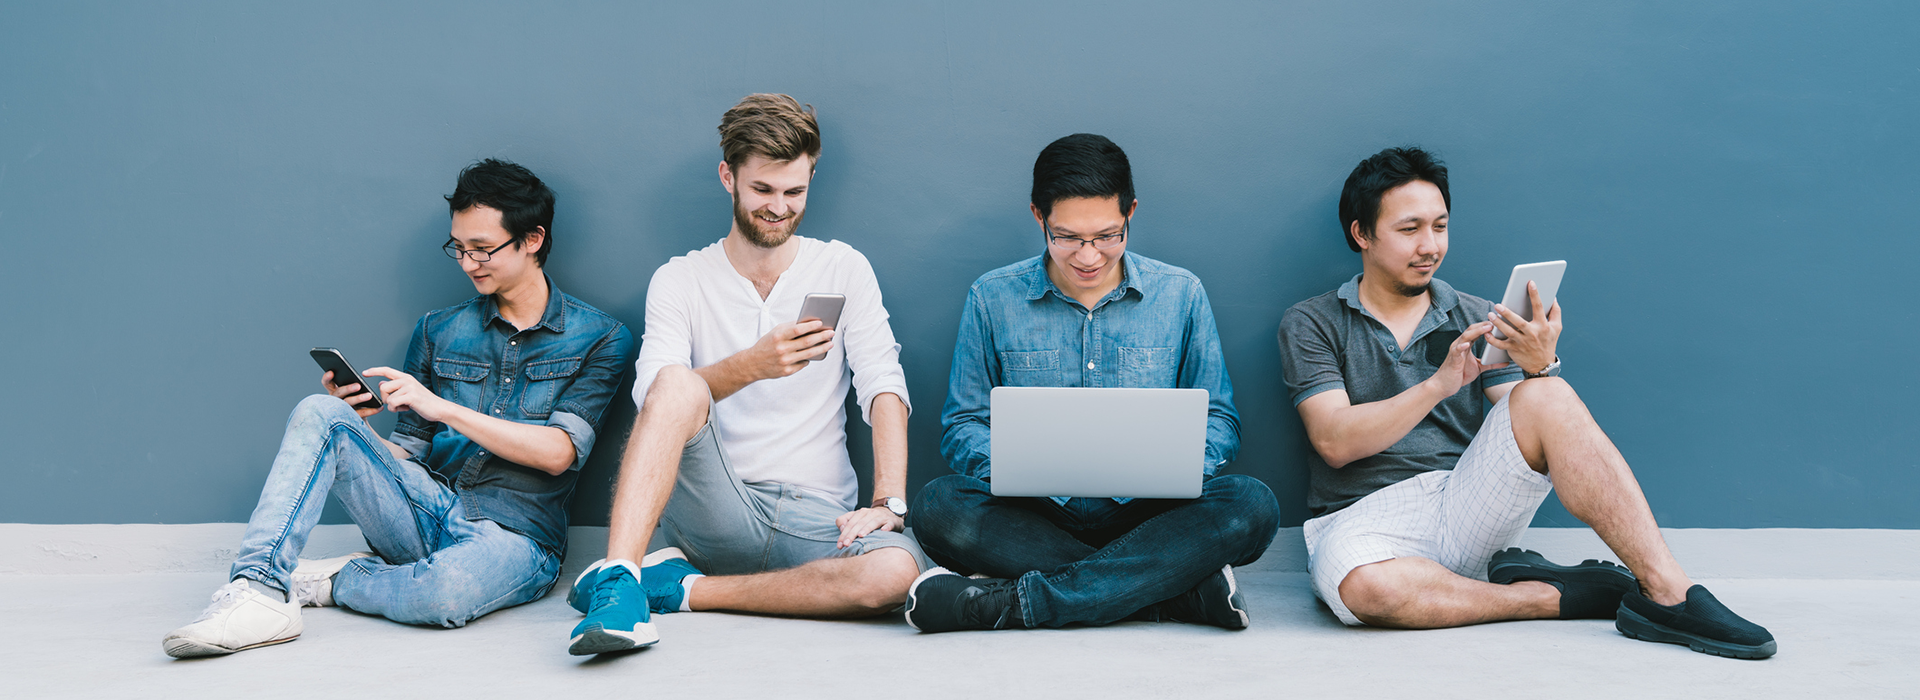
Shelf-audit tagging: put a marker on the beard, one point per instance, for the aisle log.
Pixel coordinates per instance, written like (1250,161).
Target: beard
(1414,290)
(754,229)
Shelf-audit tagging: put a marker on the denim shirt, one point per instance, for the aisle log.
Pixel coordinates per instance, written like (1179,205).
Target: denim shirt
(560,372)
(1155,330)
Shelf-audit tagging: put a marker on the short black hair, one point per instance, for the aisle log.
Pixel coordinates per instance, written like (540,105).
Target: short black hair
(1081,165)
(1360,199)
(525,203)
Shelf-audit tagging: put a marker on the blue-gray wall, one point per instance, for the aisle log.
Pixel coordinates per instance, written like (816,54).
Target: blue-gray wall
(193,194)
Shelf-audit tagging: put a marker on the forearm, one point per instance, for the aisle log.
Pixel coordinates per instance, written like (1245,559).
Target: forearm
(889,417)
(541,447)
(725,377)
(1356,432)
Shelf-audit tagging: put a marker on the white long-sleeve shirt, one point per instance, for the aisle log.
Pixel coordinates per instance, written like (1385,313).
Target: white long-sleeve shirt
(793,429)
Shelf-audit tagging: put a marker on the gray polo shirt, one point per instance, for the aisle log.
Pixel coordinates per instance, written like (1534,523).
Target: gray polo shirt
(1331,342)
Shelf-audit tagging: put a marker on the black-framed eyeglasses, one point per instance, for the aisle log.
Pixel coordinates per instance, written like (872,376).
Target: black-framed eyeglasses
(456,252)
(1070,244)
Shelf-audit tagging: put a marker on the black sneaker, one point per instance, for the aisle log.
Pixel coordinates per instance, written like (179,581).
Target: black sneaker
(943,601)
(1216,601)
(1590,590)
(1701,623)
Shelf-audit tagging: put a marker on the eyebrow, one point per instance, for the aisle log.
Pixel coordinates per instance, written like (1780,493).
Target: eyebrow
(769,185)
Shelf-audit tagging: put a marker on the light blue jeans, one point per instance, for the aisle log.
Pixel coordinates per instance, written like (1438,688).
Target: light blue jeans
(435,567)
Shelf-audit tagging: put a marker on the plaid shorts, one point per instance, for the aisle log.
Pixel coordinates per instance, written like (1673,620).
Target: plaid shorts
(1458,518)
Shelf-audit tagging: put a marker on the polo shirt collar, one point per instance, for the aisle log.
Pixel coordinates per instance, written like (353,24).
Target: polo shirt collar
(1444,298)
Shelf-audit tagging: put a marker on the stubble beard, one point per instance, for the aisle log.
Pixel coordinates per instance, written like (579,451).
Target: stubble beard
(751,227)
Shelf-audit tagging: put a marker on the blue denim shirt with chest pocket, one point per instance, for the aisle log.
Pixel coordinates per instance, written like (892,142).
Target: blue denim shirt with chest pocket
(1155,330)
(561,372)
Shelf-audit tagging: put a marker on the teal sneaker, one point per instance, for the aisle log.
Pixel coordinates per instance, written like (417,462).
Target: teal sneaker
(660,575)
(617,618)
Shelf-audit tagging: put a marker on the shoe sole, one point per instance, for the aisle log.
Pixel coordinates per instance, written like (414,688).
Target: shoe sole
(185,648)
(1540,562)
(1634,626)
(1236,602)
(596,639)
(913,598)
(573,592)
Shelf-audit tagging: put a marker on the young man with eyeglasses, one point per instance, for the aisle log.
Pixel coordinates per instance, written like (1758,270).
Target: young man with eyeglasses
(499,404)
(1086,313)
(739,451)
(1419,489)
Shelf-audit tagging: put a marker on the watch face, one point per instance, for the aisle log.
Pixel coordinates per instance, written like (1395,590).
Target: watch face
(897,505)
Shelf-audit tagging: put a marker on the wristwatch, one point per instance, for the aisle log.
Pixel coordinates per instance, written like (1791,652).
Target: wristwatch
(893,504)
(1551,370)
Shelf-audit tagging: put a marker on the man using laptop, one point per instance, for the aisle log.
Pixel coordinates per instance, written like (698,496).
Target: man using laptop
(1418,489)
(744,431)
(465,505)
(1087,313)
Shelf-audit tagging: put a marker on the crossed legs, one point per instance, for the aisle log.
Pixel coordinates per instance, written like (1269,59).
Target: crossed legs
(674,413)
(1557,436)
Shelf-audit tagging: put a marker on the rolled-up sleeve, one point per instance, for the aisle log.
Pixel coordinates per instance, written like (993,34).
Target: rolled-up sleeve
(872,352)
(581,408)
(967,442)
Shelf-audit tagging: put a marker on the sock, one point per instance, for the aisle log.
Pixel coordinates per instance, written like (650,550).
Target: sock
(266,590)
(686,591)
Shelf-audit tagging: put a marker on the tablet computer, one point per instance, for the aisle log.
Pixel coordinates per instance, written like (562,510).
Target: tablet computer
(1546,275)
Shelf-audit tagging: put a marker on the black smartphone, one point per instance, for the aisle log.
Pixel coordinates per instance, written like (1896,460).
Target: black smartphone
(824,308)
(343,374)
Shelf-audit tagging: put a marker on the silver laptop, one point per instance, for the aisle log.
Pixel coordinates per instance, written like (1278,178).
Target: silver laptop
(1098,443)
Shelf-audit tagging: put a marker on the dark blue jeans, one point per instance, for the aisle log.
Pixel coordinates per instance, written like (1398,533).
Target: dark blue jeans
(1094,561)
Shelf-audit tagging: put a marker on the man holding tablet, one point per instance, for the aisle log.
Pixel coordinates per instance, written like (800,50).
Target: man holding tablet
(466,504)
(1418,490)
(1086,313)
(739,452)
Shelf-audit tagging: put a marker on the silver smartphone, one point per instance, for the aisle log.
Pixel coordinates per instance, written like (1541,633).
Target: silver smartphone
(824,308)
(1546,277)
(331,360)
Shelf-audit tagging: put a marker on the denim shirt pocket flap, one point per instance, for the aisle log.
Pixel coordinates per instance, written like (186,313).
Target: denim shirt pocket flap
(1147,367)
(542,388)
(553,369)
(1029,361)
(460,370)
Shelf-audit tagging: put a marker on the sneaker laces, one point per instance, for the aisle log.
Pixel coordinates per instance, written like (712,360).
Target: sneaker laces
(605,593)
(307,589)
(225,597)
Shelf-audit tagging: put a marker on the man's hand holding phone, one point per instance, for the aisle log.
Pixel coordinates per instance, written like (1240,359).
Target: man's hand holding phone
(403,392)
(786,349)
(353,394)
(1461,367)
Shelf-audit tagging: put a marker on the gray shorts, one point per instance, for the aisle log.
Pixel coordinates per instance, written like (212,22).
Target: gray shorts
(728,527)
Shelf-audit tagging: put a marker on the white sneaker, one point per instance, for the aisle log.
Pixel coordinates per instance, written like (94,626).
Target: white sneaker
(240,618)
(313,579)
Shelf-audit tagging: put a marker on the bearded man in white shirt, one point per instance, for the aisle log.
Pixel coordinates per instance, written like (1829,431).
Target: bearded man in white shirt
(739,450)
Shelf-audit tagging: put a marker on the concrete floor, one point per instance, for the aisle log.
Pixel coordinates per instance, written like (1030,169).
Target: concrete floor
(98,635)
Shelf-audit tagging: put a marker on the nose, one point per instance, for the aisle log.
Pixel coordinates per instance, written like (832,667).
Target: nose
(1088,256)
(468,265)
(1426,245)
(777,206)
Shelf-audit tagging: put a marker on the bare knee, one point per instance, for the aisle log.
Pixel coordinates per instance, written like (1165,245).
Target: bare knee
(881,579)
(1380,593)
(678,392)
(1546,412)
(1542,395)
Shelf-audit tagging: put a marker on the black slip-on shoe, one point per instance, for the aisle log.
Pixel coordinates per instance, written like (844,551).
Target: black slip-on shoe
(1216,601)
(943,601)
(1590,590)
(1701,623)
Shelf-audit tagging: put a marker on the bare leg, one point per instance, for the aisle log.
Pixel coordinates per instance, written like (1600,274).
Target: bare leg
(1557,433)
(675,410)
(862,586)
(1416,593)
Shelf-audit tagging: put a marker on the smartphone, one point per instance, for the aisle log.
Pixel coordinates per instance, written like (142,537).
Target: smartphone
(343,374)
(1546,277)
(824,308)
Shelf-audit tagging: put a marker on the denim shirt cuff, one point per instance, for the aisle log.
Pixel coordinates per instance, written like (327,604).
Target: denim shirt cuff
(413,445)
(578,430)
